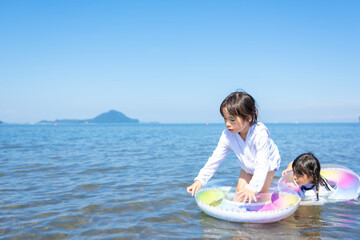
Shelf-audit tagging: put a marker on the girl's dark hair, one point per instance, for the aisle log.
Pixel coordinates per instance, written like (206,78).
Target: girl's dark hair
(307,164)
(240,104)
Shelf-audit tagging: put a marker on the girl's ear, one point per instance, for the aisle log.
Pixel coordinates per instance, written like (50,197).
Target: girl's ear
(249,119)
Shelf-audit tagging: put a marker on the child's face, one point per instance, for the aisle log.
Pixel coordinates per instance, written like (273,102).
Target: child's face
(302,179)
(235,124)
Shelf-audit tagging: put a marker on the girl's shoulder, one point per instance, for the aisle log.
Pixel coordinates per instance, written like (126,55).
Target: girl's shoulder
(260,126)
(259,130)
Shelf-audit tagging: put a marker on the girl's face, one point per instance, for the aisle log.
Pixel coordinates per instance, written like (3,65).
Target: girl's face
(302,179)
(235,124)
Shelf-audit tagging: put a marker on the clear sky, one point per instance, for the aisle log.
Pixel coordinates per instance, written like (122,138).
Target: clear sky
(175,61)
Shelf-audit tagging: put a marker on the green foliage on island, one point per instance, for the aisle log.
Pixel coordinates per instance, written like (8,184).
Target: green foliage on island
(109,117)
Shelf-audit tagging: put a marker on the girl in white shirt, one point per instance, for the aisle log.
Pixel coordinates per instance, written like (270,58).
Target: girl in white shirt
(250,140)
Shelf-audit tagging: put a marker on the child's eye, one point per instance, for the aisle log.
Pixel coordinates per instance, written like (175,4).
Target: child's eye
(298,175)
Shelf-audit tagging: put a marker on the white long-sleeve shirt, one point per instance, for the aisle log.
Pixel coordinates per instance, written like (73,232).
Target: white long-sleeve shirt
(257,155)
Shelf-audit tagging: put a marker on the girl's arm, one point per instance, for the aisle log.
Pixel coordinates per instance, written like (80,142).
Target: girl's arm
(243,194)
(213,163)
(288,169)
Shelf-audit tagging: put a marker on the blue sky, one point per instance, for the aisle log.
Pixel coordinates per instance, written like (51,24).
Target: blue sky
(175,61)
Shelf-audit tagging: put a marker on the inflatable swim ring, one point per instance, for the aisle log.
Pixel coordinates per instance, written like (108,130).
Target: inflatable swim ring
(270,207)
(345,183)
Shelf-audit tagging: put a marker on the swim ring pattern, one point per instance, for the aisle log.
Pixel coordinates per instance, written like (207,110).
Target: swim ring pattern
(270,207)
(345,182)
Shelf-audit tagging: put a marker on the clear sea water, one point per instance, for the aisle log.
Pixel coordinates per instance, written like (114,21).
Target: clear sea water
(129,181)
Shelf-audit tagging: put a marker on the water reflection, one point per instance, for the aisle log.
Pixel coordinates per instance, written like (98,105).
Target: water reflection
(305,222)
(309,221)
(215,228)
(327,221)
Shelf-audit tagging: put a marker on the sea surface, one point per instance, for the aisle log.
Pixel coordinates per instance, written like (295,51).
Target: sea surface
(129,182)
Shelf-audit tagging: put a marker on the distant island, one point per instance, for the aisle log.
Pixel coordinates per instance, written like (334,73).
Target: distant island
(1,122)
(109,117)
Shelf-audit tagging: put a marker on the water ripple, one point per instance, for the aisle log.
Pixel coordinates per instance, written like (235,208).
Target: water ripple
(126,182)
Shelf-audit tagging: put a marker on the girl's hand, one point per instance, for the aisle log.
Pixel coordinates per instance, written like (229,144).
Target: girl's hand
(244,195)
(286,171)
(194,188)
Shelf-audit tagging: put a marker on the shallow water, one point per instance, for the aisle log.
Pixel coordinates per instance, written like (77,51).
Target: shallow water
(129,181)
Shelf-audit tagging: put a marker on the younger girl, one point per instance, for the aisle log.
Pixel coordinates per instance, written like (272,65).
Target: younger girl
(306,172)
(250,140)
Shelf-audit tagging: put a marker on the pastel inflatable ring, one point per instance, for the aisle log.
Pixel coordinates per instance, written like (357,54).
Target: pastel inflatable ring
(346,183)
(270,207)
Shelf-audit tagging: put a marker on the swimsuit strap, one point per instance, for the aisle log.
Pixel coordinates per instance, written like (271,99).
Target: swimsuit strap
(303,188)
(323,181)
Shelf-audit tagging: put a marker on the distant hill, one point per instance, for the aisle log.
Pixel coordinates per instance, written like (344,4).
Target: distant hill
(109,117)
(112,117)
(1,122)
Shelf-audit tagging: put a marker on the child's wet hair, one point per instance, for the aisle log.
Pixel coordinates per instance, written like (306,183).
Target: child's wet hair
(307,164)
(240,104)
